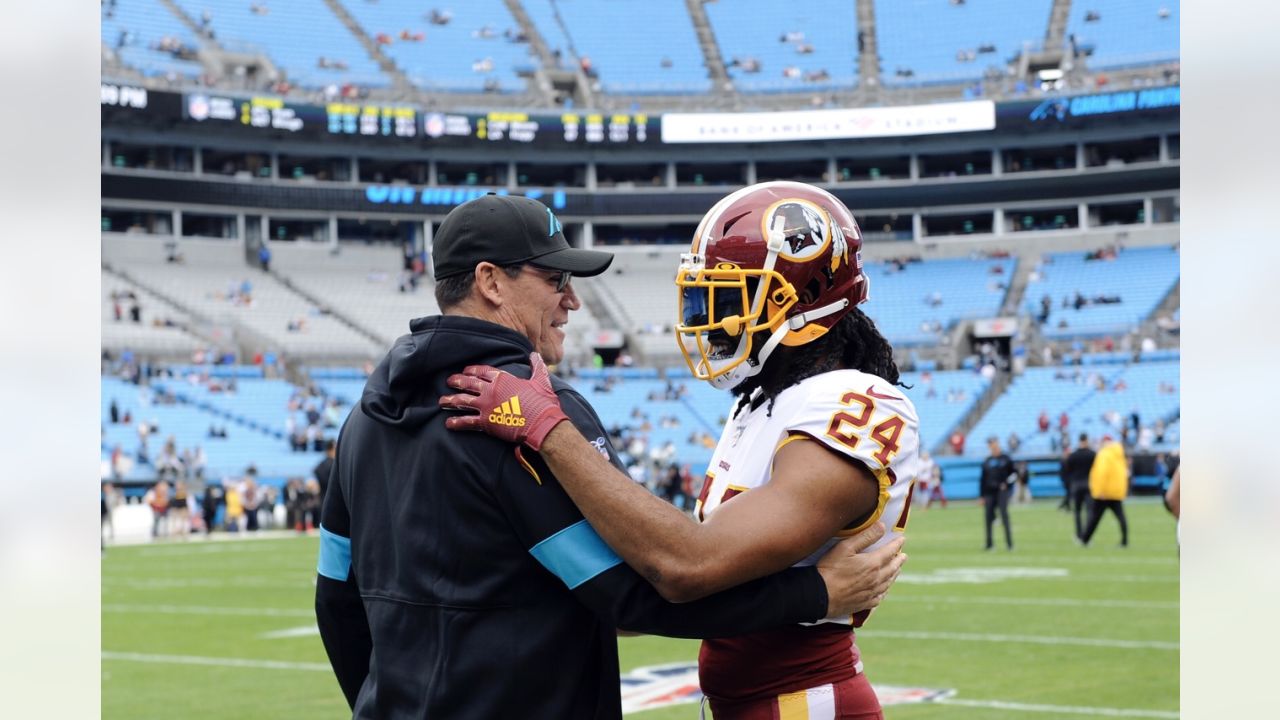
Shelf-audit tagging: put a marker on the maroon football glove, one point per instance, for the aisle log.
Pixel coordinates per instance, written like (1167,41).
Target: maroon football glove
(508,408)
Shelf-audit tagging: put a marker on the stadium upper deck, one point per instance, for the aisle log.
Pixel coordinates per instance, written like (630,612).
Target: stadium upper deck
(653,54)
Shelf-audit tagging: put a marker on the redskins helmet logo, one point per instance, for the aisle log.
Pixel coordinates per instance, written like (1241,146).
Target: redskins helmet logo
(805,228)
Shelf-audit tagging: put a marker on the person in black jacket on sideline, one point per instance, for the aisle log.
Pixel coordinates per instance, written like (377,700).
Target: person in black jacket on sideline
(456,578)
(997,479)
(1075,473)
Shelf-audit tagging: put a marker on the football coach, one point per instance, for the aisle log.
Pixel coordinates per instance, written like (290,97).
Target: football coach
(456,578)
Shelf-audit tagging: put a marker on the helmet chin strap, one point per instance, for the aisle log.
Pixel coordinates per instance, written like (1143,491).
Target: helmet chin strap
(795,322)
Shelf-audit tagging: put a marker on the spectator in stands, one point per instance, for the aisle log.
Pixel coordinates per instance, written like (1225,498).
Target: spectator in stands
(1108,486)
(957,442)
(439,17)
(264,258)
(1064,421)
(1042,421)
(1013,441)
(135,310)
(995,484)
(114,412)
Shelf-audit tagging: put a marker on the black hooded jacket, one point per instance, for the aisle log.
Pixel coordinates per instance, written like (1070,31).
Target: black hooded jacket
(457,579)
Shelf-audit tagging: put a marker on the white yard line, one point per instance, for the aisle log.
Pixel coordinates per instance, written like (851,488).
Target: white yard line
(1062,709)
(293,632)
(208,610)
(1055,602)
(1032,639)
(220,662)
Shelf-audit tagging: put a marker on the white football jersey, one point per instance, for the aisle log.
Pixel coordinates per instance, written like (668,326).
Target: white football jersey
(853,413)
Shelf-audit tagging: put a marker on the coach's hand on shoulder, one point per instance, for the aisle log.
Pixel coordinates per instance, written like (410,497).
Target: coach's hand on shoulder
(856,580)
(505,406)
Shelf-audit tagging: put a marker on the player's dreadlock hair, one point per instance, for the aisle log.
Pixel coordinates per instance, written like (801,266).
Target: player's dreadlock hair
(853,343)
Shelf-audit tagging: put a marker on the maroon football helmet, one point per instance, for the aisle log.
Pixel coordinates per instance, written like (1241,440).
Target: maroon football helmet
(774,263)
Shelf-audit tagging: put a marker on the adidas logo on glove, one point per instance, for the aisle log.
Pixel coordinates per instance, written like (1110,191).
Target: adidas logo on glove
(508,413)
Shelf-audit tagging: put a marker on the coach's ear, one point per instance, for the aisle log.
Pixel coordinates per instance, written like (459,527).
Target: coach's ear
(490,282)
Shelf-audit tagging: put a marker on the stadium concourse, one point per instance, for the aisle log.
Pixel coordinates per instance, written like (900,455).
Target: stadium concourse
(260,367)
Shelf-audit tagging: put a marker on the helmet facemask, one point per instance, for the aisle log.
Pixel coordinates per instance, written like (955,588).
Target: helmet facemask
(728,315)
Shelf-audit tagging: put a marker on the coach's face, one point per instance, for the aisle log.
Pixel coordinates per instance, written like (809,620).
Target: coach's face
(543,311)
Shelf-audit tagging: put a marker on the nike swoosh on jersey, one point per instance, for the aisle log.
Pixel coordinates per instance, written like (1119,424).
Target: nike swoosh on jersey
(872,392)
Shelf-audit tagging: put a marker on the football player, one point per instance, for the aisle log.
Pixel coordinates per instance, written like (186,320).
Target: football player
(820,443)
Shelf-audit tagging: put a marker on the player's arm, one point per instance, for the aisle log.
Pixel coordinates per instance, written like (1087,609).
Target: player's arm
(814,493)
(340,614)
(563,542)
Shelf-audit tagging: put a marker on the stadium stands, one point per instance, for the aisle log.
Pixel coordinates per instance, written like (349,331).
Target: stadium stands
(929,37)
(214,278)
(658,52)
(188,424)
(122,333)
(822,40)
(295,34)
(942,400)
(475,45)
(907,297)
(1134,284)
(362,281)
(1126,32)
(137,29)
(1086,394)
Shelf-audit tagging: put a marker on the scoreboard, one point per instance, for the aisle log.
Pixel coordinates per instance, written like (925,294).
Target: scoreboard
(279,118)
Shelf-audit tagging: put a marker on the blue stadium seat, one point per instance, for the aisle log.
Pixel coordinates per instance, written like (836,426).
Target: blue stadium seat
(925,36)
(755,29)
(1127,32)
(627,42)
(1141,277)
(146,22)
(444,59)
(1068,389)
(942,401)
(294,34)
(968,289)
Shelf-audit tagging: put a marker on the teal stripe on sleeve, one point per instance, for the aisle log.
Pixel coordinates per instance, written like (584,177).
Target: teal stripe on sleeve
(335,556)
(575,554)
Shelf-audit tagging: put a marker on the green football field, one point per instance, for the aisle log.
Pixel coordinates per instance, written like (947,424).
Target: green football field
(225,629)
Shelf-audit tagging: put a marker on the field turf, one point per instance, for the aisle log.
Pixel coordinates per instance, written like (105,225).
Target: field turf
(216,629)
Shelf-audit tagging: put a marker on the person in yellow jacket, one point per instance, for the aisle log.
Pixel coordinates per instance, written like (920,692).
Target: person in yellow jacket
(1108,485)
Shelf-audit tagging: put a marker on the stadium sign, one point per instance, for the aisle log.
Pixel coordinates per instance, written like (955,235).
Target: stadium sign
(845,123)
(1080,111)
(449,196)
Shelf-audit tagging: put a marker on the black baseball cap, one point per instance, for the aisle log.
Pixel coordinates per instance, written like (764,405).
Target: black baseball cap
(506,230)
